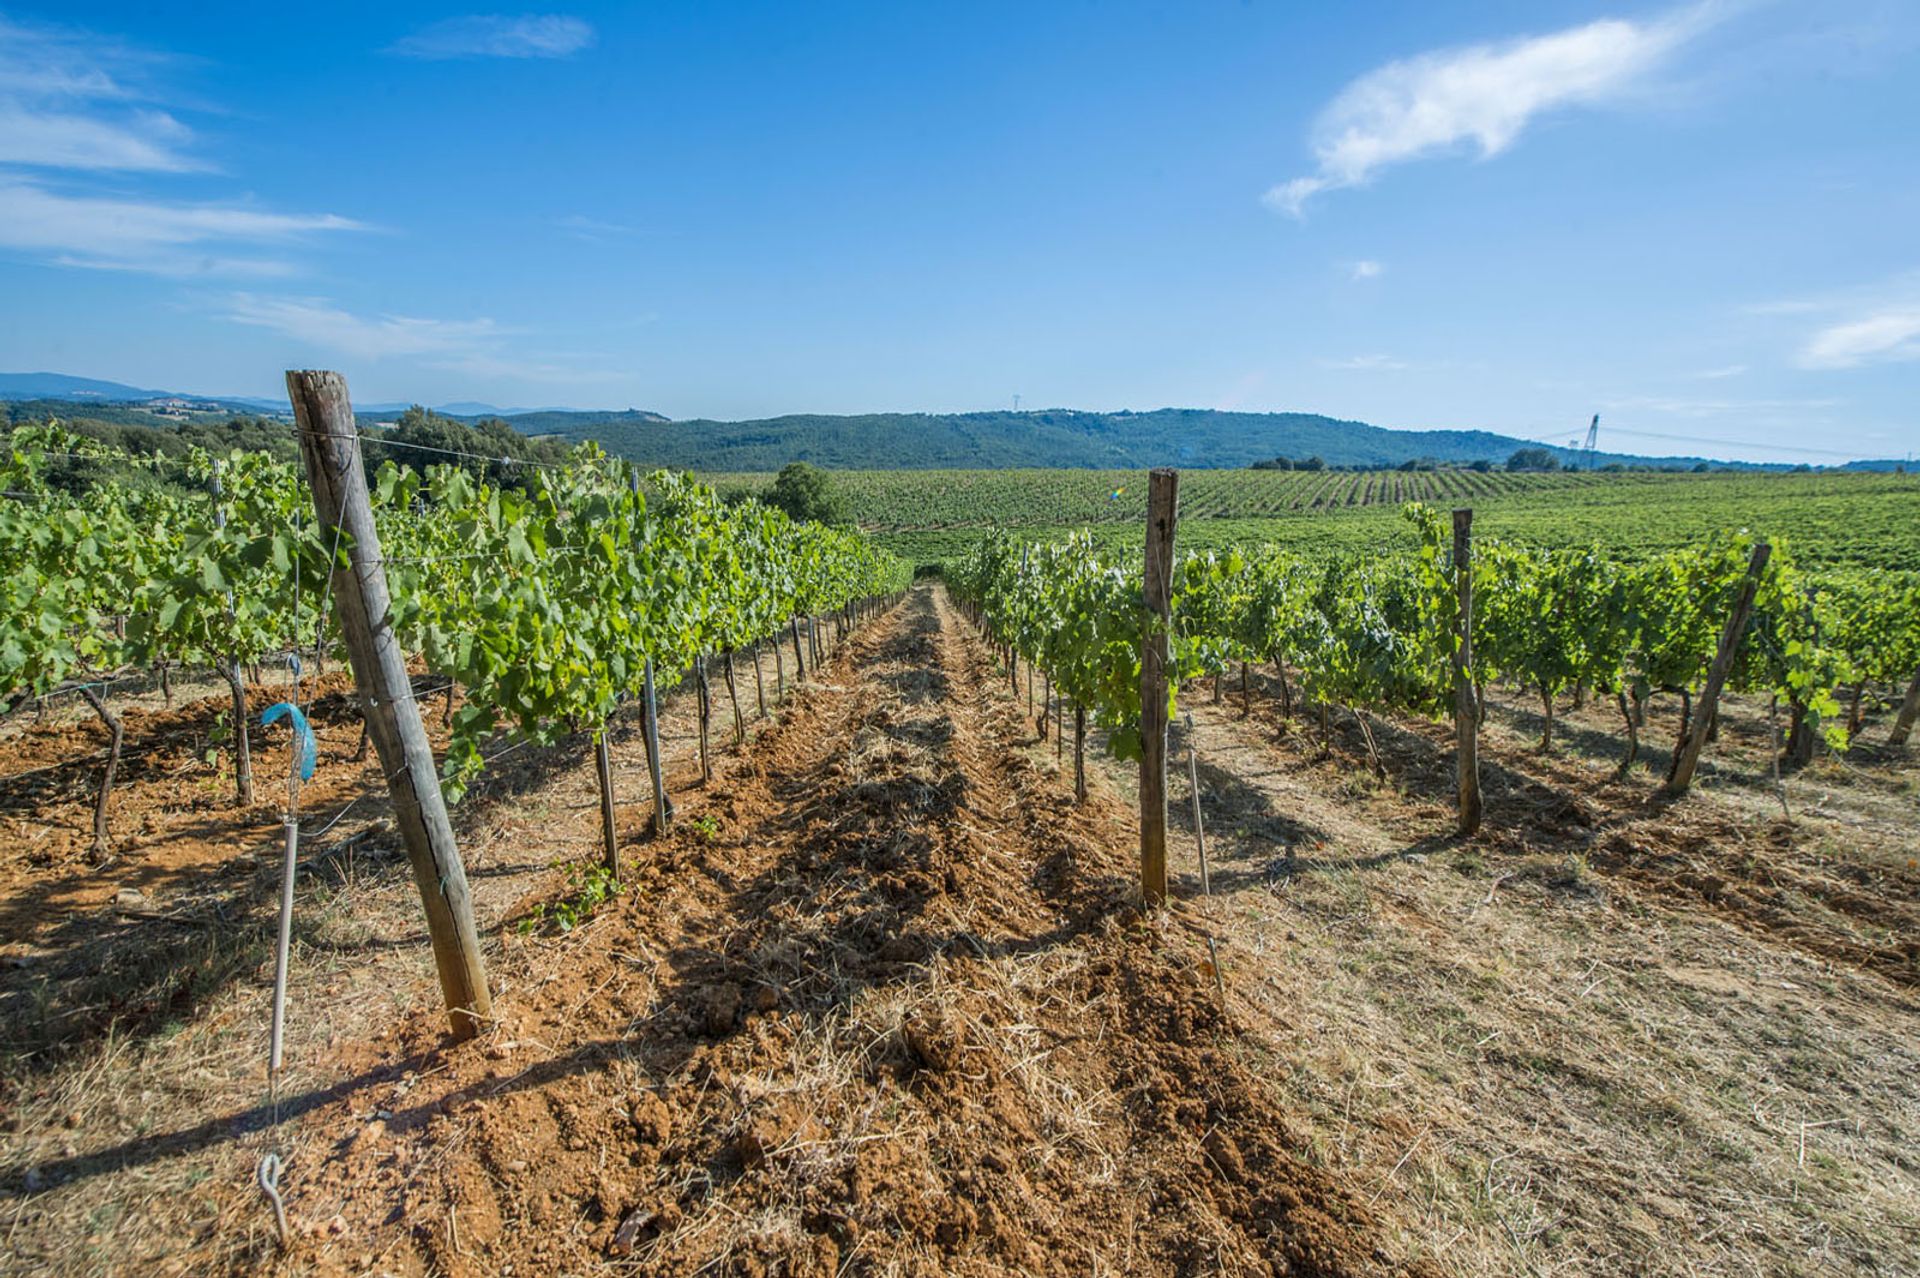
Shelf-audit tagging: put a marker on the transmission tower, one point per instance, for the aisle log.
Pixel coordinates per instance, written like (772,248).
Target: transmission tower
(1593,438)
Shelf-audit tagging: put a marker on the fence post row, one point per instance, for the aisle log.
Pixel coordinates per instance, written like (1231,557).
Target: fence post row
(330,447)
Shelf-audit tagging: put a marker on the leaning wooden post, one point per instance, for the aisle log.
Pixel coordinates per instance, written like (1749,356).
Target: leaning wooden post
(1162,511)
(1689,757)
(1466,715)
(330,446)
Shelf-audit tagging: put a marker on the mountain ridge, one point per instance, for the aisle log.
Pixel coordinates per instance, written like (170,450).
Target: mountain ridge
(1056,438)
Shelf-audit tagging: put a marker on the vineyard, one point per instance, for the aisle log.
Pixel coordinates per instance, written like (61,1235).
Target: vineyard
(818,909)
(1379,633)
(546,607)
(1862,520)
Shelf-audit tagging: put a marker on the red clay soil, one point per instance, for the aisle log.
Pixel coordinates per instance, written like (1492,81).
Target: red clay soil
(879,1004)
(80,939)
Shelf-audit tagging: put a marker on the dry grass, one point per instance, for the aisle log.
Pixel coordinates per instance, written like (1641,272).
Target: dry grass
(1538,1067)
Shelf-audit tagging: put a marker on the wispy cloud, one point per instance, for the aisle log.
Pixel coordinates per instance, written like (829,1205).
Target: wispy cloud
(69,100)
(1888,335)
(1718,374)
(76,106)
(485,35)
(474,348)
(592,230)
(1367,364)
(1484,95)
(315,321)
(158,237)
(1870,324)
(1366,269)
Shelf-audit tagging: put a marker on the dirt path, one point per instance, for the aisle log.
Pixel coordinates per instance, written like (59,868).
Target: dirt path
(878,1005)
(1539,1062)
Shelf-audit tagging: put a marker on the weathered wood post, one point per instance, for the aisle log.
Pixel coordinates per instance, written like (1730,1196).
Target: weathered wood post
(662,808)
(704,698)
(1688,756)
(603,764)
(330,446)
(1163,488)
(650,725)
(1466,715)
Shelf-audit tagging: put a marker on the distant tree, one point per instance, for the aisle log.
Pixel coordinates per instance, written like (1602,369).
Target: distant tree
(1273,463)
(805,491)
(1701,468)
(490,449)
(1311,463)
(1481,464)
(1532,459)
(1614,468)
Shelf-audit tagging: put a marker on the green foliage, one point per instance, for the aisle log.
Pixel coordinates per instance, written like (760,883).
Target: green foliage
(807,493)
(1533,459)
(1375,628)
(589,886)
(500,455)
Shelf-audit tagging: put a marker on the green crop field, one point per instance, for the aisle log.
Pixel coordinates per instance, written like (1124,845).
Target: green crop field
(1860,519)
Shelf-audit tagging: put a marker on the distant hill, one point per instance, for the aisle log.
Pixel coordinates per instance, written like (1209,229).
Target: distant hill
(1048,439)
(1053,438)
(62,386)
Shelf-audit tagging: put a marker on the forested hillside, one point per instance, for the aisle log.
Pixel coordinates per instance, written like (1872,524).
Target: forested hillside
(1053,438)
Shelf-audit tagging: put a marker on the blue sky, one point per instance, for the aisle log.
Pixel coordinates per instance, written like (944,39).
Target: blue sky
(1696,220)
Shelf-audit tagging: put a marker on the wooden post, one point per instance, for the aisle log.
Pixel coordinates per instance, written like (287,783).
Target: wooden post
(242,754)
(1909,711)
(330,446)
(1466,715)
(603,764)
(704,699)
(733,698)
(662,809)
(1163,510)
(799,661)
(1080,753)
(1688,756)
(759,680)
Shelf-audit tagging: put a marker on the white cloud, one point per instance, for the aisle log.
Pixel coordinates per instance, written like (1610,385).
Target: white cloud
(1483,94)
(1882,336)
(473,348)
(1367,364)
(592,230)
(140,235)
(1366,269)
(483,35)
(317,322)
(1875,323)
(1719,374)
(71,100)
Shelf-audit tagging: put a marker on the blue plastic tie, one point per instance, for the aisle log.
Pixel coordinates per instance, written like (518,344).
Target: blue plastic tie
(309,748)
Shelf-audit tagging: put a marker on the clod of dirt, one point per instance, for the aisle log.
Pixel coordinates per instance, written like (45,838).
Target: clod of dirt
(936,1038)
(652,1120)
(720,1010)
